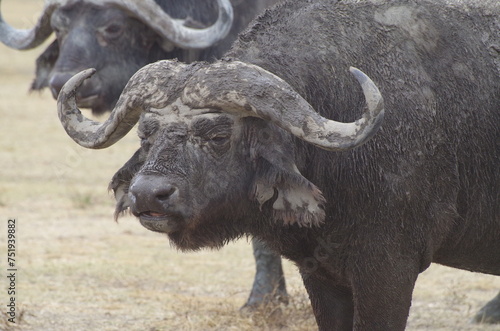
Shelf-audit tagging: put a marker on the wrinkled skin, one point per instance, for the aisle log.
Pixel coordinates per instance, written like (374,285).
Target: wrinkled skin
(174,142)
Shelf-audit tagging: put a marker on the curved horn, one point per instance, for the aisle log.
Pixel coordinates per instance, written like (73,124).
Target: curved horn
(29,38)
(84,131)
(173,30)
(147,88)
(248,90)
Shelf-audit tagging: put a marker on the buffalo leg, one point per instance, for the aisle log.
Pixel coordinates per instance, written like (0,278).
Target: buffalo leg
(332,304)
(370,303)
(382,296)
(490,313)
(269,282)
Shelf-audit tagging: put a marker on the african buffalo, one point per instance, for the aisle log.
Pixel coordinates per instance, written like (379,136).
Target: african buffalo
(243,146)
(117,37)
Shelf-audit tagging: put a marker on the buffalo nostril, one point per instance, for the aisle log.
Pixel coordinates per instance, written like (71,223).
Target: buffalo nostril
(57,81)
(164,193)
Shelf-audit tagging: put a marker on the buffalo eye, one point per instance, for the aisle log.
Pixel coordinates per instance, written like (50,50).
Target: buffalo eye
(112,31)
(214,133)
(219,139)
(219,143)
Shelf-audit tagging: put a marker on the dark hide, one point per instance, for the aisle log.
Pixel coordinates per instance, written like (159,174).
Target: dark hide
(425,188)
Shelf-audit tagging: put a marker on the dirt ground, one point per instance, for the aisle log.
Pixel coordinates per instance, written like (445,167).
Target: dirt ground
(79,270)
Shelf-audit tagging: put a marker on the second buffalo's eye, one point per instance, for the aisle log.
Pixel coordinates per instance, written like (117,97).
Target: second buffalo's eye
(113,30)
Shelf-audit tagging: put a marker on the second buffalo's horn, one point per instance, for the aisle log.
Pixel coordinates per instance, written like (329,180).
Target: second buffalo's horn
(173,30)
(28,38)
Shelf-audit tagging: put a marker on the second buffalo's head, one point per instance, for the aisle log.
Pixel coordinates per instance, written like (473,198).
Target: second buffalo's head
(217,147)
(117,37)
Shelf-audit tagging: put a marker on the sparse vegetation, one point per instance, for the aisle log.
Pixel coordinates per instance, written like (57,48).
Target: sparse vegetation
(20,323)
(82,200)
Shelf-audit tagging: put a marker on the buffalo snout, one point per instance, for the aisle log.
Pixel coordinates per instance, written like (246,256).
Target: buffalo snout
(154,200)
(152,195)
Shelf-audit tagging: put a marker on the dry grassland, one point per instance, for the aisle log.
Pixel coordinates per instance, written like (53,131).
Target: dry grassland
(79,270)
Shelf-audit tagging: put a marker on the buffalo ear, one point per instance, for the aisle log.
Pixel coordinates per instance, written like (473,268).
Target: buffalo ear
(44,65)
(295,200)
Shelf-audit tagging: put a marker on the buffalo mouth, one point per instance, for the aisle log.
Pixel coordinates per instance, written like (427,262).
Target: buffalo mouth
(160,222)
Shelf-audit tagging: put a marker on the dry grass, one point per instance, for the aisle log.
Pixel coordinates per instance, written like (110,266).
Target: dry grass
(79,270)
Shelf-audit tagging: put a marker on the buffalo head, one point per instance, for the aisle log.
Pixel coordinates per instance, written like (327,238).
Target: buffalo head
(217,146)
(117,37)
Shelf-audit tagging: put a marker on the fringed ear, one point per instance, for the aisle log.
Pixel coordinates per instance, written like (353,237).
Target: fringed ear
(295,199)
(44,65)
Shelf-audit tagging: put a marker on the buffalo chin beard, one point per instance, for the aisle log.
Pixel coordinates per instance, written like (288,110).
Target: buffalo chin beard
(202,228)
(198,233)
(190,234)
(204,231)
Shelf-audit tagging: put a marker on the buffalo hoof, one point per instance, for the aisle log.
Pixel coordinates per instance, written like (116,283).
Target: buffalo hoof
(269,300)
(269,288)
(490,313)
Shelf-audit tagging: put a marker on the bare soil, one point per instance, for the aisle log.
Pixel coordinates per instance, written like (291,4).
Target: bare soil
(79,270)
